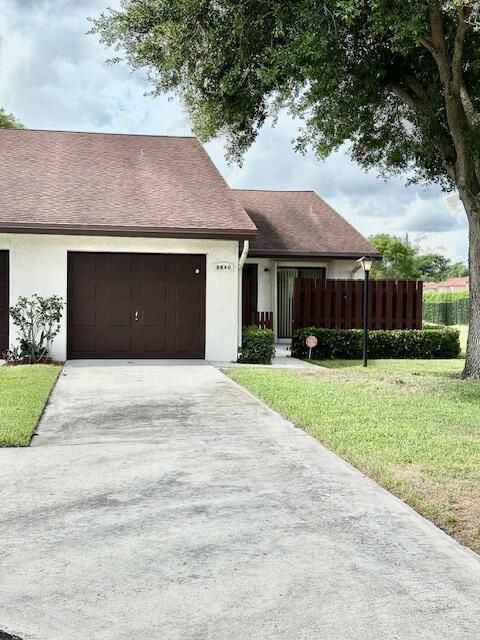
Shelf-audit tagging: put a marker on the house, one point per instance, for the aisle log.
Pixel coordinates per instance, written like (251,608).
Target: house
(152,252)
(451,284)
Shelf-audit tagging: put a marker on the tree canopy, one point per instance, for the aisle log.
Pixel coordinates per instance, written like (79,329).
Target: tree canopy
(360,71)
(8,121)
(399,258)
(399,82)
(402,259)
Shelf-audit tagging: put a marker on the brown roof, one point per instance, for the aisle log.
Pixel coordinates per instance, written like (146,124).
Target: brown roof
(300,223)
(118,184)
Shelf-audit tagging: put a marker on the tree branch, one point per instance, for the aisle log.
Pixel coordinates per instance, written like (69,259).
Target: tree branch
(435,43)
(457,58)
(421,108)
(472,114)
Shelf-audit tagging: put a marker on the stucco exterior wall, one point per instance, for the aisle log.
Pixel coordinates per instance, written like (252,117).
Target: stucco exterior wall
(343,270)
(38,264)
(266,275)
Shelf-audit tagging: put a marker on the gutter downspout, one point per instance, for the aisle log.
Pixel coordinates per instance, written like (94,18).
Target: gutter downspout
(241,262)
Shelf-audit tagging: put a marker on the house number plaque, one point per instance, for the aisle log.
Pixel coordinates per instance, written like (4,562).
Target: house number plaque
(223,266)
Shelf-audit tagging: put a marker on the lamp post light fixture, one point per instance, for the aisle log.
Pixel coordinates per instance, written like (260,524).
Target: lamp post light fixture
(366,263)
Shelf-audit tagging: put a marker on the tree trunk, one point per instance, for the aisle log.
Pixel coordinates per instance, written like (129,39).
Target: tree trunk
(472,363)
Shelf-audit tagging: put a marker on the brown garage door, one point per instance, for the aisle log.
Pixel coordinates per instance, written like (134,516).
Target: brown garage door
(3,301)
(136,305)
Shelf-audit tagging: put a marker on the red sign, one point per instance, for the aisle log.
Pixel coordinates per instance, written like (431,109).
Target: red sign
(311,342)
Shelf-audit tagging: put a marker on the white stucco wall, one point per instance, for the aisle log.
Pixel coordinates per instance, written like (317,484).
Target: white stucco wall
(38,264)
(344,270)
(265,280)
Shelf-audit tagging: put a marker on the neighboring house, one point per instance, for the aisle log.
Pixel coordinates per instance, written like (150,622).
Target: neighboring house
(452,284)
(143,239)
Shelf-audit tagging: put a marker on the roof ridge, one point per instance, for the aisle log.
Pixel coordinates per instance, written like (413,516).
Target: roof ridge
(102,133)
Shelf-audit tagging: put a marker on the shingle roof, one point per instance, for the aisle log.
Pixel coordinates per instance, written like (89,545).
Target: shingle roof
(456,283)
(112,183)
(300,223)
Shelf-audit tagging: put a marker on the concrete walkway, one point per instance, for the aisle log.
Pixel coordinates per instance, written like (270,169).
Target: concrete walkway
(164,502)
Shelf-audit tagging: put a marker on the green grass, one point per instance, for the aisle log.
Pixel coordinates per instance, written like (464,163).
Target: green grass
(414,426)
(24,391)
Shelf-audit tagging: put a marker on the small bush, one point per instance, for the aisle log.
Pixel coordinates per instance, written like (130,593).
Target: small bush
(258,346)
(38,321)
(441,342)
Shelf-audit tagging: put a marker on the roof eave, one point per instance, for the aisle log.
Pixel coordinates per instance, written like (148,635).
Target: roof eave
(292,254)
(131,231)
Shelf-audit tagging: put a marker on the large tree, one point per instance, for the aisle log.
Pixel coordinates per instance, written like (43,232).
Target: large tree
(398,81)
(399,258)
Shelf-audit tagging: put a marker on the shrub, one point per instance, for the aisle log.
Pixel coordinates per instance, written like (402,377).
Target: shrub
(38,322)
(258,346)
(347,344)
(445,296)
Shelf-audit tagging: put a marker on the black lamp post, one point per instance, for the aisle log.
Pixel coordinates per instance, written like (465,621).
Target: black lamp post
(366,263)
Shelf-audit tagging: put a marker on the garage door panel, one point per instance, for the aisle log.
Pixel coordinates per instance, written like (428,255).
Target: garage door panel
(85,317)
(117,315)
(117,265)
(118,290)
(105,291)
(83,343)
(153,317)
(154,267)
(84,291)
(188,312)
(185,344)
(118,343)
(185,321)
(86,267)
(154,341)
(153,291)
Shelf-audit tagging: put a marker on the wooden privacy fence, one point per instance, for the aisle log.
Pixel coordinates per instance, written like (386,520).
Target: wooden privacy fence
(338,304)
(262,319)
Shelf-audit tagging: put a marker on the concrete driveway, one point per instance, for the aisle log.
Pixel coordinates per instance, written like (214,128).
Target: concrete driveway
(164,502)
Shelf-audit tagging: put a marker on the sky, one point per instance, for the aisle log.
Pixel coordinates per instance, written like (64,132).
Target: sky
(53,75)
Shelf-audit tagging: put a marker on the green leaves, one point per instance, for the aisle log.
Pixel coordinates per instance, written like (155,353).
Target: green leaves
(403,260)
(8,121)
(258,345)
(341,66)
(399,258)
(406,343)
(38,321)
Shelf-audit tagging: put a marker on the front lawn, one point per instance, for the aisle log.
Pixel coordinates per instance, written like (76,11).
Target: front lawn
(413,426)
(24,391)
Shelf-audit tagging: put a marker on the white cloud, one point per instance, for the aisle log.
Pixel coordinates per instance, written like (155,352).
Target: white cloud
(54,76)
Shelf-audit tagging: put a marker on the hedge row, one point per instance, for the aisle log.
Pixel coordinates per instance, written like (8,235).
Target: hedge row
(348,343)
(445,296)
(447,313)
(258,345)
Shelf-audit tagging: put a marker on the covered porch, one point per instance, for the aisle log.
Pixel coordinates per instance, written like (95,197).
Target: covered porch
(268,289)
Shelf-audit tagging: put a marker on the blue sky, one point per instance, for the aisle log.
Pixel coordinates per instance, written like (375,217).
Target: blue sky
(54,76)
